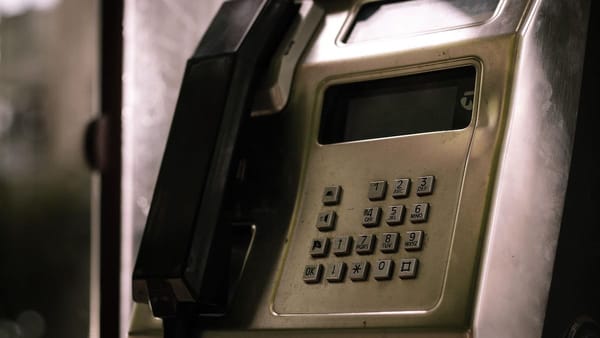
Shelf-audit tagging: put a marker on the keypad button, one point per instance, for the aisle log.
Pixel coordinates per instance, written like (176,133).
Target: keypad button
(371,217)
(389,242)
(326,220)
(413,240)
(359,271)
(377,190)
(332,195)
(395,215)
(419,212)
(319,247)
(408,268)
(335,272)
(365,244)
(312,273)
(401,188)
(383,269)
(425,185)
(342,245)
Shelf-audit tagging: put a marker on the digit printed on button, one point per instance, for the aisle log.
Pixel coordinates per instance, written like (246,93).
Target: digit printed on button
(419,212)
(371,217)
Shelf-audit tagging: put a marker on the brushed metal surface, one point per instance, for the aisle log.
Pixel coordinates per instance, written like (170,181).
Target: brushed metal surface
(533,170)
(503,190)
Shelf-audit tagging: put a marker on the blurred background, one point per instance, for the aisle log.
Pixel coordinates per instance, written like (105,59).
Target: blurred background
(74,75)
(48,93)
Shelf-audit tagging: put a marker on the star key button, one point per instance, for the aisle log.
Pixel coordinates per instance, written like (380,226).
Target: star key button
(359,271)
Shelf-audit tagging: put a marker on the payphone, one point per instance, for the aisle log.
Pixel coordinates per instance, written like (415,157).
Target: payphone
(365,168)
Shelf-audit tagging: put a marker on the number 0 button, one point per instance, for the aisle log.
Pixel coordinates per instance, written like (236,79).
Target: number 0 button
(383,269)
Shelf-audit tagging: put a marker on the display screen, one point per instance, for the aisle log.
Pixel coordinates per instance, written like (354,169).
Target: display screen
(428,102)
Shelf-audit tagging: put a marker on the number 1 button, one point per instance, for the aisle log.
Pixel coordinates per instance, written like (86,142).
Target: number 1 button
(377,190)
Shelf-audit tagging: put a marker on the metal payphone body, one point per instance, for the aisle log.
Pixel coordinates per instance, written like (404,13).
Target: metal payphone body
(456,222)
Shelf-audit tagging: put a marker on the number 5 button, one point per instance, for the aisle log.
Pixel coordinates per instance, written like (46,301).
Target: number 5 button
(395,215)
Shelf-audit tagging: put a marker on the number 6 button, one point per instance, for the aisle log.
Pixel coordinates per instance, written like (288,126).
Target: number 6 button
(419,212)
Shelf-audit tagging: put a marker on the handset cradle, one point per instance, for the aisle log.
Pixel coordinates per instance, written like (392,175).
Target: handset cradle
(183,260)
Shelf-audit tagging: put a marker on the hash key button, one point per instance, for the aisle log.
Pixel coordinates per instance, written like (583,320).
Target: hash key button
(326,220)
(419,212)
(408,268)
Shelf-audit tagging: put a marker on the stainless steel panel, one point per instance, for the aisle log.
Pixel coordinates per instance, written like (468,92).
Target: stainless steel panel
(526,208)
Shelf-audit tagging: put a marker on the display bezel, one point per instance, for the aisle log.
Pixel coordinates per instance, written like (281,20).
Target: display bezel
(337,97)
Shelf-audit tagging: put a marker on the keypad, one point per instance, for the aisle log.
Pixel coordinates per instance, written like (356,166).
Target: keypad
(336,258)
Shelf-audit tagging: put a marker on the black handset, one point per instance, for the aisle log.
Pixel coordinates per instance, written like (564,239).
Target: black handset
(183,260)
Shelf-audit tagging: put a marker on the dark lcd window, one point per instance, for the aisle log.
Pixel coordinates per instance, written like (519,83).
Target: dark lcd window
(435,101)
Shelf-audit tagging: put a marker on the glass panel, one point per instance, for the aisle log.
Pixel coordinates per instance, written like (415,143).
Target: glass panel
(384,19)
(48,93)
